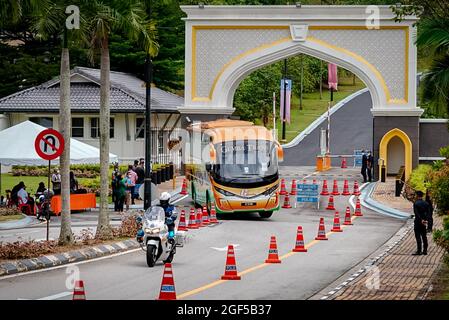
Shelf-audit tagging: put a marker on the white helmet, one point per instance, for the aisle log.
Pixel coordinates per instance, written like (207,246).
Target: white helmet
(165,196)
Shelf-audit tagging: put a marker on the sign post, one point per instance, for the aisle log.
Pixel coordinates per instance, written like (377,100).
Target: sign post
(49,145)
(308,193)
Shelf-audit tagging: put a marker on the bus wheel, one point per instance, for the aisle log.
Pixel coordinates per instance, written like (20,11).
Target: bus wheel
(265,214)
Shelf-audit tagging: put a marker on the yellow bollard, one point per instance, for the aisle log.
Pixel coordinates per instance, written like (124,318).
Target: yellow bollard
(174,182)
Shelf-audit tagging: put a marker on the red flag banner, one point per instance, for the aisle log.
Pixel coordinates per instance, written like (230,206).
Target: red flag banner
(332,76)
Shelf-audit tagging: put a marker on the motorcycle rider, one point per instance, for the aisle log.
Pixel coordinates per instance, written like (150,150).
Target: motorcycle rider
(170,214)
(170,218)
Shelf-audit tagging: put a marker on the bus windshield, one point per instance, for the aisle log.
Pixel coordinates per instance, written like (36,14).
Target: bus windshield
(246,162)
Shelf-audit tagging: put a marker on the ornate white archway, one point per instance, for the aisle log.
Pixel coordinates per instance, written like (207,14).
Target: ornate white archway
(226,43)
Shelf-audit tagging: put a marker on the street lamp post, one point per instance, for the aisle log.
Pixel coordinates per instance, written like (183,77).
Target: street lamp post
(285,100)
(149,80)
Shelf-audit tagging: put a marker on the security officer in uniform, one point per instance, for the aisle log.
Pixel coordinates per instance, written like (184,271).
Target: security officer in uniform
(422,211)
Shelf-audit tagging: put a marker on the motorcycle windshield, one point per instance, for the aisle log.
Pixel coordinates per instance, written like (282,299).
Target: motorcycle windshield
(155,214)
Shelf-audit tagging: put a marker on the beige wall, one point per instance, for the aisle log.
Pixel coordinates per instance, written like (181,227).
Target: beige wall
(123,144)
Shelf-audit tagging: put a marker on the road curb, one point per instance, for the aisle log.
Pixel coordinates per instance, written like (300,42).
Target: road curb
(17,224)
(48,261)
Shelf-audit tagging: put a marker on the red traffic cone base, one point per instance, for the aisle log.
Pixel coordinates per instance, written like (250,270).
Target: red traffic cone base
(230,268)
(358,209)
(213,215)
(286,204)
(299,245)
(330,205)
(182,222)
(348,220)
(273,252)
(324,191)
(346,189)
(78,292)
(184,187)
(293,191)
(321,231)
(337,227)
(192,220)
(168,284)
(335,189)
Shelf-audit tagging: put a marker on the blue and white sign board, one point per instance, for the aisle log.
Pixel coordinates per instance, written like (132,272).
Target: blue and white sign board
(358,154)
(308,193)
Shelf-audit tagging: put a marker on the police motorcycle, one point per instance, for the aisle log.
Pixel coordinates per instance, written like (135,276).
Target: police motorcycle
(154,236)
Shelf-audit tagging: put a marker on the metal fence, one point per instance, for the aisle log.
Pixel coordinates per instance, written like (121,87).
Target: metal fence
(165,145)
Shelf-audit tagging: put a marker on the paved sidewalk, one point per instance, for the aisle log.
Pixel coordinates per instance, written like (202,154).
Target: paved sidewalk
(399,275)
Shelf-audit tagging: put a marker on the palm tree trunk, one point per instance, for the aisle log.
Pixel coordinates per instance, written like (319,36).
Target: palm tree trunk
(66,236)
(104,230)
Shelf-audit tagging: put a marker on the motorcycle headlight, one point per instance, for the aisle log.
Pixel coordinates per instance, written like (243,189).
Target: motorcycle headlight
(152,230)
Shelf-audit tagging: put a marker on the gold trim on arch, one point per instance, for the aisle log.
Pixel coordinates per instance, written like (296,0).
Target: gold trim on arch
(383,149)
(321,42)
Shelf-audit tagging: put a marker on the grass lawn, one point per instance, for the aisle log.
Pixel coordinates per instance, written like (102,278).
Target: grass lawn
(10,218)
(313,107)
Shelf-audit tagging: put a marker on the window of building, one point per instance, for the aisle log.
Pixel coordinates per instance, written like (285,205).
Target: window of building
(43,121)
(140,128)
(78,127)
(95,128)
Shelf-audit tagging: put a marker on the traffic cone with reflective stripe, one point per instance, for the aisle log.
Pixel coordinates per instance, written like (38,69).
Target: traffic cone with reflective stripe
(184,187)
(324,191)
(330,205)
(304,181)
(336,227)
(321,231)
(335,189)
(348,220)
(230,268)
(293,190)
(358,209)
(213,214)
(346,189)
(192,220)
(78,292)
(343,163)
(299,245)
(273,252)
(168,284)
(286,204)
(205,216)
(283,190)
(314,181)
(182,222)
(199,218)
(356,189)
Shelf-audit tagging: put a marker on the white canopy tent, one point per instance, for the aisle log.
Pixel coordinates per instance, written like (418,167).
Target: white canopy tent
(17,147)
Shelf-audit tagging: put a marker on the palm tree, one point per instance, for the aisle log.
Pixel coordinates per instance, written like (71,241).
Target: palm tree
(128,17)
(49,19)
(434,37)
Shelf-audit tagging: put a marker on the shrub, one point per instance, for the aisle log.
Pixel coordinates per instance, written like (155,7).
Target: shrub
(420,179)
(444,152)
(441,237)
(26,249)
(128,227)
(440,189)
(5,211)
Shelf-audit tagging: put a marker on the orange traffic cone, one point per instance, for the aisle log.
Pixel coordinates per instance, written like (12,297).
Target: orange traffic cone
(273,252)
(324,191)
(182,222)
(299,245)
(304,181)
(199,218)
(321,231)
(358,209)
(231,268)
(343,163)
(335,189)
(348,220)
(192,219)
(314,181)
(330,205)
(168,284)
(184,187)
(78,292)
(336,227)
(286,204)
(293,190)
(283,190)
(213,214)
(356,189)
(205,216)
(346,189)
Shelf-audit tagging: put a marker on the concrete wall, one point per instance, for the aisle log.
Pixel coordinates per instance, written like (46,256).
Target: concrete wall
(410,125)
(434,134)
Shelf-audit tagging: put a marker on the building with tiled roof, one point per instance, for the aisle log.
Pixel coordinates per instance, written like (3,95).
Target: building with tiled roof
(40,104)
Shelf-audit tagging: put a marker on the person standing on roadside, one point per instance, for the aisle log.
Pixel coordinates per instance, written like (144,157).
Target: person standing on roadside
(422,211)
(140,179)
(430,216)
(132,178)
(369,165)
(364,165)
(56,181)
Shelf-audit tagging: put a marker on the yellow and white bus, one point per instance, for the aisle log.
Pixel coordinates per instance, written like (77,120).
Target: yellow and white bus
(234,164)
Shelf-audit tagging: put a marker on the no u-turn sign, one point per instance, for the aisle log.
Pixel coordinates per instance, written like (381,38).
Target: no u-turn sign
(49,144)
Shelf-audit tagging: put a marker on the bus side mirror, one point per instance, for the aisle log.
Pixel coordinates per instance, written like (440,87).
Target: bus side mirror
(208,167)
(280,152)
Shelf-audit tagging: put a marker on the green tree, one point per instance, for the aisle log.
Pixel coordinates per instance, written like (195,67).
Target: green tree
(128,17)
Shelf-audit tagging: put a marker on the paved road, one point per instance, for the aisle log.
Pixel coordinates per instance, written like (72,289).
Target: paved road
(198,266)
(351,128)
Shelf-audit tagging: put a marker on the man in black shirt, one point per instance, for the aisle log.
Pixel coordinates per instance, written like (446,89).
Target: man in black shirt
(422,212)
(364,165)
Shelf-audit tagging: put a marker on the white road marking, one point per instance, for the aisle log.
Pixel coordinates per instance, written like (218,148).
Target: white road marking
(226,248)
(182,198)
(57,296)
(66,265)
